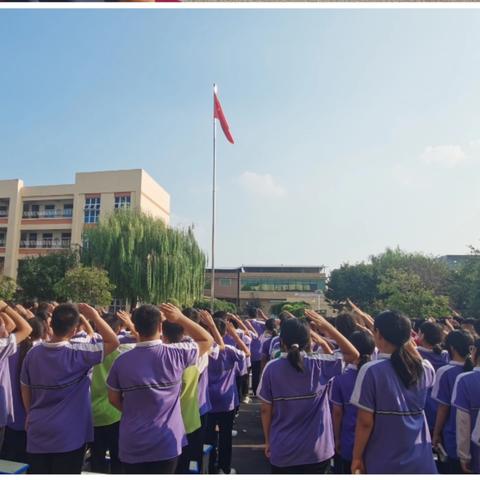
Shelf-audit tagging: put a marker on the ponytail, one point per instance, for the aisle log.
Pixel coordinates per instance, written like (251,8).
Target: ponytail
(364,342)
(408,367)
(468,365)
(363,359)
(437,349)
(460,342)
(295,358)
(396,329)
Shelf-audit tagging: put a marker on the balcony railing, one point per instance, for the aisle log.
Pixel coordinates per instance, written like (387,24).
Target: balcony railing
(60,213)
(45,243)
(3,212)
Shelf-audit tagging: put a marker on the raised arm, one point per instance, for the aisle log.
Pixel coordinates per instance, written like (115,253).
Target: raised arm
(319,340)
(110,340)
(208,321)
(86,326)
(350,353)
(203,339)
(22,327)
(238,341)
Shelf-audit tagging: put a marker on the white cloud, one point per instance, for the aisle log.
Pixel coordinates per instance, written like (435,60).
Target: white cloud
(448,156)
(261,184)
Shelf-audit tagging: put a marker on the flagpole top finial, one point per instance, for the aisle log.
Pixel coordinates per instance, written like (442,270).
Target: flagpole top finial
(215,88)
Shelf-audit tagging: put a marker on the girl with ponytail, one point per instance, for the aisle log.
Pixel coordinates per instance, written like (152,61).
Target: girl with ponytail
(458,344)
(391,433)
(430,341)
(344,413)
(466,400)
(293,389)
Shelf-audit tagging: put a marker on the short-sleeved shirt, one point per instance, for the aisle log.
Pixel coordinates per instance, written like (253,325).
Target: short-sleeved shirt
(275,347)
(340,394)
(266,340)
(442,393)
(222,371)
(150,379)
(301,431)
(203,395)
(60,415)
(256,345)
(400,441)
(466,397)
(437,360)
(8,347)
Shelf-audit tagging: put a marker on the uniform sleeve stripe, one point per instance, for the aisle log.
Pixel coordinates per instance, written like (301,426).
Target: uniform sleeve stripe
(263,399)
(454,392)
(355,398)
(436,387)
(86,347)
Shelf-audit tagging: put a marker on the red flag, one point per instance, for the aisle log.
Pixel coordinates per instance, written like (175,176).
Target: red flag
(220,116)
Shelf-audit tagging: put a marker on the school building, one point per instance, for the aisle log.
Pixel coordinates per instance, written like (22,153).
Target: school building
(43,219)
(265,286)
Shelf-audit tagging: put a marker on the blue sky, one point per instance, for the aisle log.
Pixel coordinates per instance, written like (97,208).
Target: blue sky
(355,129)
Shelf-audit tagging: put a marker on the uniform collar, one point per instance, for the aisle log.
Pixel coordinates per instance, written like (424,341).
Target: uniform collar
(454,362)
(55,344)
(351,366)
(477,369)
(384,355)
(149,343)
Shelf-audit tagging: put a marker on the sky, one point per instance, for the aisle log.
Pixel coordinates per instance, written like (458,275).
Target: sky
(355,130)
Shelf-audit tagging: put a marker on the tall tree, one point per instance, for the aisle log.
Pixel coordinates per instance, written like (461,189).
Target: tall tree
(145,259)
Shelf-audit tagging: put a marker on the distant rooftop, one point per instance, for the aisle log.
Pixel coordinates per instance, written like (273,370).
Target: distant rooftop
(271,269)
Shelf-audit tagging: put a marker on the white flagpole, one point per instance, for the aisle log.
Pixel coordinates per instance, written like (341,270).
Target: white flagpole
(212,276)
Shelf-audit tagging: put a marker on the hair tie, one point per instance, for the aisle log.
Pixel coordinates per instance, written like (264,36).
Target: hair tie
(294,345)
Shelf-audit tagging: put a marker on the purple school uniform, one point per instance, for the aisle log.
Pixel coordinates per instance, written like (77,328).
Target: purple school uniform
(18,421)
(256,345)
(126,339)
(437,360)
(466,397)
(275,347)
(442,393)
(222,371)
(203,397)
(400,441)
(341,392)
(150,379)
(266,340)
(248,342)
(58,374)
(301,432)
(8,347)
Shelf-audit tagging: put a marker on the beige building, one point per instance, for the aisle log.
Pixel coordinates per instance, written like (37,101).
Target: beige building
(38,220)
(267,286)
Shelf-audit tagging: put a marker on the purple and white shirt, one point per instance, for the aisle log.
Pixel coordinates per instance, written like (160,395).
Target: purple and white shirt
(466,397)
(256,346)
(60,415)
(150,379)
(222,387)
(8,347)
(301,432)
(442,393)
(400,441)
(340,394)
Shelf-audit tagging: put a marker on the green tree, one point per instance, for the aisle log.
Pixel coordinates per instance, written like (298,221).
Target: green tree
(406,292)
(145,259)
(37,276)
(295,308)
(218,304)
(8,288)
(87,285)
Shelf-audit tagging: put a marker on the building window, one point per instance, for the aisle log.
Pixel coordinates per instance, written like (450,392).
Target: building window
(66,239)
(225,282)
(68,210)
(118,304)
(92,209)
(2,239)
(122,201)
(281,285)
(49,211)
(47,240)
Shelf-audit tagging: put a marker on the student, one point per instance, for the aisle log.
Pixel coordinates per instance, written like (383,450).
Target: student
(144,384)
(458,344)
(296,418)
(266,339)
(224,396)
(429,341)
(344,413)
(346,324)
(15,444)
(258,325)
(106,418)
(466,400)
(10,321)
(55,380)
(391,434)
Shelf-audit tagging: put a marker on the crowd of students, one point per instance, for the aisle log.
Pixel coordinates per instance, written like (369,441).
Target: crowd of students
(142,393)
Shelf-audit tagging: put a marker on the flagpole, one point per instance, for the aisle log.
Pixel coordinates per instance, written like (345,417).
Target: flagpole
(214,181)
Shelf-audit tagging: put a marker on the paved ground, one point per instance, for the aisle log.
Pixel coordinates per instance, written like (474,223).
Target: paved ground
(248,454)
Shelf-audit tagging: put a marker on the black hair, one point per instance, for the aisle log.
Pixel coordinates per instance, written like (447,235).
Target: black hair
(417,323)
(433,335)
(476,358)
(364,342)
(270,325)
(252,312)
(396,329)
(113,320)
(192,314)
(220,314)
(221,325)
(43,315)
(146,319)
(38,331)
(173,331)
(345,324)
(295,337)
(461,341)
(283,315)
(65,317)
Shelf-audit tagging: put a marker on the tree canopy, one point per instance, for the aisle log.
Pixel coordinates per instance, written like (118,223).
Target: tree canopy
(145,259)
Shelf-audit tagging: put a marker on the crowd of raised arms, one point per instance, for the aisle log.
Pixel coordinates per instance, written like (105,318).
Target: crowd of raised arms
(349,394)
